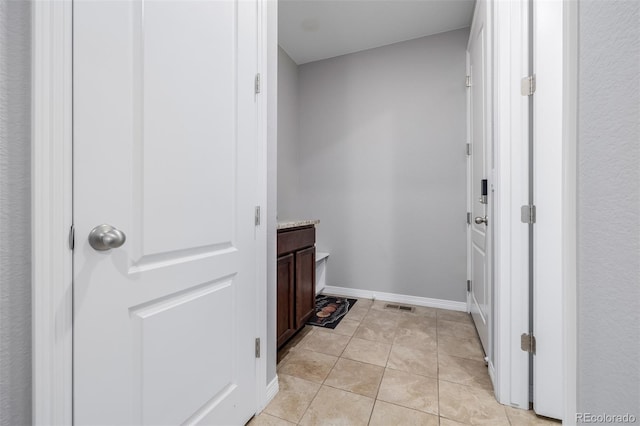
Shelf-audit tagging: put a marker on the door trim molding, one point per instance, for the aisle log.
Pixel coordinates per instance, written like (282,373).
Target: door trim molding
(264,18)
(511,62)
(555,131)
(468,170)
(51,198)
(512,307)
(569,208)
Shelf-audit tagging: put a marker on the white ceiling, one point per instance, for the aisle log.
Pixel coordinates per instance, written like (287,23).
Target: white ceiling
(310,30)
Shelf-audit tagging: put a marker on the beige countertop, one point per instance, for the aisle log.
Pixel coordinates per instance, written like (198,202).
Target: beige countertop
(286,224)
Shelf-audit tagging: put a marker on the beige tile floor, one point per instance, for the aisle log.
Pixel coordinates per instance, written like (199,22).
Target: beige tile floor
(386,367)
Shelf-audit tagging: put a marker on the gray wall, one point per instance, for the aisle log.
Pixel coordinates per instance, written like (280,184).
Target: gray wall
(609,207)
(288,137)
(382,164)
(15,214)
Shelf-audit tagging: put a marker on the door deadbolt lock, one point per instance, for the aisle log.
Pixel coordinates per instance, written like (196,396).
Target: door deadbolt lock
(105,237)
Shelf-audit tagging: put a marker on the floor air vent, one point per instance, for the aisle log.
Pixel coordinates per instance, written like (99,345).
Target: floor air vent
(403,308)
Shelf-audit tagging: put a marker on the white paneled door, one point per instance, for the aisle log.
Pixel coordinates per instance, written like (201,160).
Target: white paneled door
(165,153)
(480,296)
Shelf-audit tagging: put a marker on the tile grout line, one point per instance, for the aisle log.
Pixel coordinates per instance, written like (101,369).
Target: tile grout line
(272,415)
(309,405)
(319,387)
(375,398)
(384,372)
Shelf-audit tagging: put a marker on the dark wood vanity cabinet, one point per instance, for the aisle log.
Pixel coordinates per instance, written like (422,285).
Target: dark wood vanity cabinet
(305,285)
(286,297)
(296,280)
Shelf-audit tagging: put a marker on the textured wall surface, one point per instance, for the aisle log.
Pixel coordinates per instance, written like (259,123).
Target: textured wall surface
(382,164)
(609,208)
(288,137)
(15,214)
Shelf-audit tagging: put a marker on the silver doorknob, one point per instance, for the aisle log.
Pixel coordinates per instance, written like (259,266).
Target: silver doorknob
(104,237)
(480,220)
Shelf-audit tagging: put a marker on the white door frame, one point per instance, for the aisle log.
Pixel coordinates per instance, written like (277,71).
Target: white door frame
(507,62)
(267,44)
(52,191)
(555,39)
(511,365)
(569,208)
(52,212)
(511,136)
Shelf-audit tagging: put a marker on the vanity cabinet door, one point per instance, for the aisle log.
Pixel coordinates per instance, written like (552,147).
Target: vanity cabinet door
(305,285)
(286,326)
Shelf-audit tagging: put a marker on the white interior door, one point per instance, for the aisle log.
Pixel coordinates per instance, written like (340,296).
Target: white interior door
(165,141)
(480,296)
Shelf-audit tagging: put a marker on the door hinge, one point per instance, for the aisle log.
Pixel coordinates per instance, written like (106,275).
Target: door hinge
(468,286)
(528,343)
(258,347)
(257,216)
(467,81)
(72,237)
(468,149)
(528,214)
(468,218)
(528,85)
(257,83)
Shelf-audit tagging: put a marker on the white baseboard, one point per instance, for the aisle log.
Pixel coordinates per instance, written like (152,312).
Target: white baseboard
(396,298)
(272,389)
